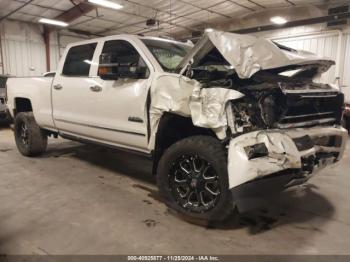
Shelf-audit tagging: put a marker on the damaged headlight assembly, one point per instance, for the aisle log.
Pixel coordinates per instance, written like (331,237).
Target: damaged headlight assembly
(256,151)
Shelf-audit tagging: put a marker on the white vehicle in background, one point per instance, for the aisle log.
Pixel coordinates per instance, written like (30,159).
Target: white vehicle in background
(346,111)
(3,109)
(225,122)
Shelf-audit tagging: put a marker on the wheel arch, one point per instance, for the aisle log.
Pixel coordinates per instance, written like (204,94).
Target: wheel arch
(22,104)
(172,128)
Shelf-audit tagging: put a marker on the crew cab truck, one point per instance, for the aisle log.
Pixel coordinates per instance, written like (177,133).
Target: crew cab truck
(225,121)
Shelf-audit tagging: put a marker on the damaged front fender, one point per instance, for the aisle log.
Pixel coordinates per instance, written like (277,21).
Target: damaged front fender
(186,97)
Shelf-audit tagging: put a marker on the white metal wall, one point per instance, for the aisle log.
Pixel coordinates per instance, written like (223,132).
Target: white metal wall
(346,72)
(318,39)
(1,64)
(315,39)
(324,45)
(23,48)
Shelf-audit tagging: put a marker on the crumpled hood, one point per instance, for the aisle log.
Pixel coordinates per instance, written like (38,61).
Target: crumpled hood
(249,54)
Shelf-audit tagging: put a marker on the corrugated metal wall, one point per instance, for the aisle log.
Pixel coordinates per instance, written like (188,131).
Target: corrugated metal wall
(324,45)
(324,42)
(314,39)
(58,42)
(346,73)
(23,48)
(2,71)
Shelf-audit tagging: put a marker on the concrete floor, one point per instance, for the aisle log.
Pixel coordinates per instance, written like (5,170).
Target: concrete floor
(79,199)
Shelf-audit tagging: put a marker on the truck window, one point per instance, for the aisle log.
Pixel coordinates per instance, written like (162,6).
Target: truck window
(78,60)
(119,54)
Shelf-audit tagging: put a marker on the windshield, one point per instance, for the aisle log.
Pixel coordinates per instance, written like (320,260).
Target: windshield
(168,54)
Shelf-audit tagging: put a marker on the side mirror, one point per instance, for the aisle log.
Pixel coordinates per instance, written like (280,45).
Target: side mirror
(107,73)
(133,72)
(108,70)
(111,70)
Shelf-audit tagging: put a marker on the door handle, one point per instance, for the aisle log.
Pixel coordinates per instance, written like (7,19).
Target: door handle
(57,87)
(95,88)
(135,119)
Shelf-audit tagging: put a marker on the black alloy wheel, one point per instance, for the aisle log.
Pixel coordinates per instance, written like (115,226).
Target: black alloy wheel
(192,177)
(194,183)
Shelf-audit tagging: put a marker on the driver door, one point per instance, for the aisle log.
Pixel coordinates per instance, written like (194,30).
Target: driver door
(117,108)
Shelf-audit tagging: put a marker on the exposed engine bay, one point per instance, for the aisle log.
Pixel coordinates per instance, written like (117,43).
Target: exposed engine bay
(278,98)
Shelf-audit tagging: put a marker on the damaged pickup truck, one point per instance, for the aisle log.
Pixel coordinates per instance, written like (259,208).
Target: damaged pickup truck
(225,122)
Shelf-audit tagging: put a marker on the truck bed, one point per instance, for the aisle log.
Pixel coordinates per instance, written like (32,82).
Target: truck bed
(38,91)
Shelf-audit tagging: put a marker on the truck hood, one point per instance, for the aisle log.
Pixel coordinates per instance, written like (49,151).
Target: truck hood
(249,54)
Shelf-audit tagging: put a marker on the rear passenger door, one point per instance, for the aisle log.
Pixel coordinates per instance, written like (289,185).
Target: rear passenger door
(71,93)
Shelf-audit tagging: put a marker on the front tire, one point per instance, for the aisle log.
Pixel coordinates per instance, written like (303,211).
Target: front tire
(31,140)
(192,178)
(345,123)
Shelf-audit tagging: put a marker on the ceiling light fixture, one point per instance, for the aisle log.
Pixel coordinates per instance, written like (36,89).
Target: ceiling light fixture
(279,20)
(208,30)
(52,22)
(106,3)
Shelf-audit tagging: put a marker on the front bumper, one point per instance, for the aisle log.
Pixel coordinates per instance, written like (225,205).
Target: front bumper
(290,157)
(3,115)
(3,109)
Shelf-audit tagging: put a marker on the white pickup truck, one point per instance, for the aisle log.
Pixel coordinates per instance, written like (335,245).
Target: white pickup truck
(225,121)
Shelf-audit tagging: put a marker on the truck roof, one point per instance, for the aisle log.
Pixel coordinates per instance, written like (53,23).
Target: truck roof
(129,36)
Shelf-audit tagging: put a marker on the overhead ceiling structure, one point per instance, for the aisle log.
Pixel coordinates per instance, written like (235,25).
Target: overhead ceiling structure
(173,17)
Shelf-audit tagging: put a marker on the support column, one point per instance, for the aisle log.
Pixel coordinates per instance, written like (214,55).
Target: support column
(47,47)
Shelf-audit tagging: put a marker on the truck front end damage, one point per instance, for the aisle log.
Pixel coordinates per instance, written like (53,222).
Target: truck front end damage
(285,127)
(267,161)
(261,100)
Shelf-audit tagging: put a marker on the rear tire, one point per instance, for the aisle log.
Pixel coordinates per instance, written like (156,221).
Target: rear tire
(193,179)
(31,140)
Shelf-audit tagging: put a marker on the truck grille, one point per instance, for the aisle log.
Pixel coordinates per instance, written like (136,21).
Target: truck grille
(308,109)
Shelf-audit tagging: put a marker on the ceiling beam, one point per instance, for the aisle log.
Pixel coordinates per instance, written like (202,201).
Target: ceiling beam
(14,11)
(243,6)
(118,24)
(83,32)
(308,21)
(257,4)
(70,15)
(302,22)
(205,9)
(290,2)
(175,16)
(75,12)
(157,10)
